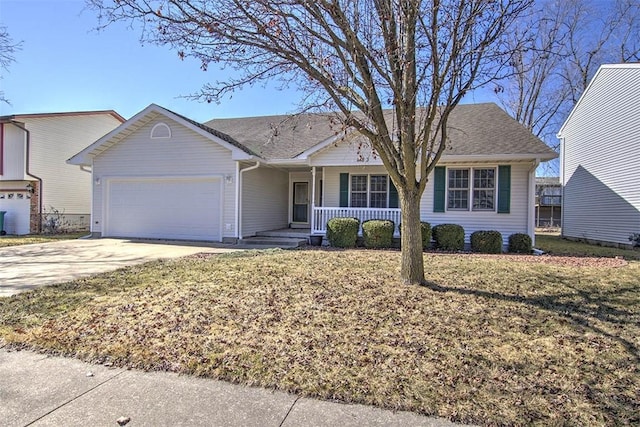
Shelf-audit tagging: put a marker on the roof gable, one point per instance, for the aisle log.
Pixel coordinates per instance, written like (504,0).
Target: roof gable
(606,78)
(85,157)
(65,114)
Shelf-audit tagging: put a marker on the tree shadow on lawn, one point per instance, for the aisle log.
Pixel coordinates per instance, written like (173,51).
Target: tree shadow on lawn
(583,308)
(598,311)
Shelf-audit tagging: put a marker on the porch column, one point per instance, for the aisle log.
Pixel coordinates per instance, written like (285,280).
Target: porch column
(313,198)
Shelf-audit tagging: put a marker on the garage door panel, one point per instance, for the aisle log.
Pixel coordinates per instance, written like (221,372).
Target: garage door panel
(164,208)
(18,209)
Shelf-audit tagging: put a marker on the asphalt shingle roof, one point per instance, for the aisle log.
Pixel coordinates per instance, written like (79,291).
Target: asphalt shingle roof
(474,130)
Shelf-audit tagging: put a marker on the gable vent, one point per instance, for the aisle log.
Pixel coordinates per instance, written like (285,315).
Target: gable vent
(161,130)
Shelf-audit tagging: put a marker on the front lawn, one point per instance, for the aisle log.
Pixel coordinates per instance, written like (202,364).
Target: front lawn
(29,239)
(503,340)
(556,245)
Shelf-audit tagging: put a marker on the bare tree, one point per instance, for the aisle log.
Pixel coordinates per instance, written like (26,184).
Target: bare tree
(7,50)
(563,44)
(418,57)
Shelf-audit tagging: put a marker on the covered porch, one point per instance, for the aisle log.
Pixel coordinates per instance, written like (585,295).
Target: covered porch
(320,193)
(322,215)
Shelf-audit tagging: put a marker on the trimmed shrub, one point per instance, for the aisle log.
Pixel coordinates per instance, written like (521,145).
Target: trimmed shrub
(377,233)
(343,232)
(449,237)
(425,227)
(520,243)
(486,242)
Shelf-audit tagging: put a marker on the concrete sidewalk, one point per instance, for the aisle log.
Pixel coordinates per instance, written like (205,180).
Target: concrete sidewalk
(40,390)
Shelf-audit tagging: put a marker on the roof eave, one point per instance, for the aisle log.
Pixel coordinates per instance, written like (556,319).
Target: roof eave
(543,157)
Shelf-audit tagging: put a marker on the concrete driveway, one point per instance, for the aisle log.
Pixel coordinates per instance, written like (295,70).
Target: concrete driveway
(26,267)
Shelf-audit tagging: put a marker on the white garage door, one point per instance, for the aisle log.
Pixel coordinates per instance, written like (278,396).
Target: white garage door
(172,208)
(17,206)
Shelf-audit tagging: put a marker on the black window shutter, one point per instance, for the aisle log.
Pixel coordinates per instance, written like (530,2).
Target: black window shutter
(439,186)
(393,195)
(344,190)
(504,189)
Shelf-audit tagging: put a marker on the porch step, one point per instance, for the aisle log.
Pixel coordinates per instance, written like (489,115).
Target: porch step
(292,233)
(273,242)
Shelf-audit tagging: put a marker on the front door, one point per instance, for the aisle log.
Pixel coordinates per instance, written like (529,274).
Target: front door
(300,202)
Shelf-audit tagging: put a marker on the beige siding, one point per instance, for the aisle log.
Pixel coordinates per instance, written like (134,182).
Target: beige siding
(600,155)
(55,139)
(516,221)
(186,153)
(264,200)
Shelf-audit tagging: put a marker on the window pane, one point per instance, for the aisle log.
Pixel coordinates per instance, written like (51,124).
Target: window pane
(359,183)
(483,200)
(484,178)
(359,191)
(378,196)
(359,200)
(459,178)
(378,183)
(458,199)
(378,200)
(484,184)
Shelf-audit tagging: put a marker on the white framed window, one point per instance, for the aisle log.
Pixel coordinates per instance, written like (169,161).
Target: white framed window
(359,191)
(458,189)
(379,191)
(473,188)
(160,131)
(369,191)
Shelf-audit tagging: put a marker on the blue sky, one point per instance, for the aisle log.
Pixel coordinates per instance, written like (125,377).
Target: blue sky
(65,65)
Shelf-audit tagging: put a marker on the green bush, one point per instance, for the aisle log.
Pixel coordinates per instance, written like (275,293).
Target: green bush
(520,243)
(343,232)
(486,242)
(449,237)
(425,227)
(378,233)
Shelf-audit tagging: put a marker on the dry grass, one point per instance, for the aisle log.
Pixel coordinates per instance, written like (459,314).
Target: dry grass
(491,340)
(6,241)
(556,245)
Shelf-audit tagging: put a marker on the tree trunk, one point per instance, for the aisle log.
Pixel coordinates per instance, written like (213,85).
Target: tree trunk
(412,265)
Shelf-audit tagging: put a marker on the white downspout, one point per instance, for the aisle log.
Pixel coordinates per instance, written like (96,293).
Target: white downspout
(562,182)
(531,215)
(239,195)
(313,198)
(90,171)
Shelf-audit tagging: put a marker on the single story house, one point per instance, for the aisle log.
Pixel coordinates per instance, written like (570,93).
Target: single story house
(162,175)
(600,154)
(36,185)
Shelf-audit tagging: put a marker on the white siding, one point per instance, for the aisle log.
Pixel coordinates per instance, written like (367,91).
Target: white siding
(353,152)
(14,147)
(186,153)
(264,200)
(516,221)
(600,159)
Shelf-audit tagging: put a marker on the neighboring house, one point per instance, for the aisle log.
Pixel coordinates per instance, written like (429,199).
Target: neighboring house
(35,181)
(548,202)
(600,159)
(162,175)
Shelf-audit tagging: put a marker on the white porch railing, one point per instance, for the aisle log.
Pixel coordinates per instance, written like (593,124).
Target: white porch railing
(324,214)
